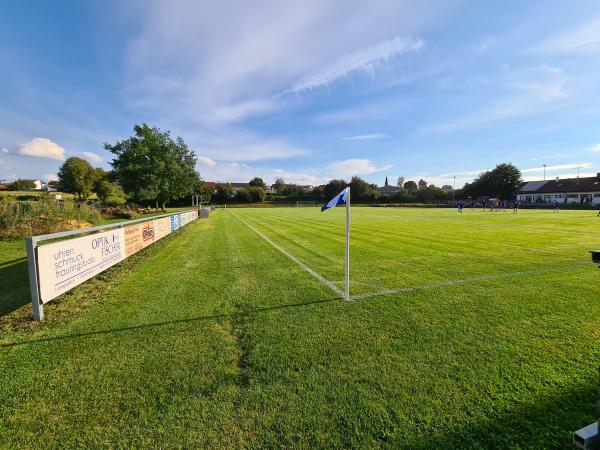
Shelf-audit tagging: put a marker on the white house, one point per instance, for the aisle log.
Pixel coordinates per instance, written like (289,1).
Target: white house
(570,190)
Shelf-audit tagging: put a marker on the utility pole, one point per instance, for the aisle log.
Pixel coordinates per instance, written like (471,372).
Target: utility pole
(544,172)
(453,187)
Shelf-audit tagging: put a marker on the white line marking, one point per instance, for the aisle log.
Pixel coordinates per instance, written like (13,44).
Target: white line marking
(465,281)
(323,281)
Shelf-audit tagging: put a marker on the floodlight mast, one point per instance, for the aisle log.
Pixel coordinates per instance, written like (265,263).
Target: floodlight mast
(347,280)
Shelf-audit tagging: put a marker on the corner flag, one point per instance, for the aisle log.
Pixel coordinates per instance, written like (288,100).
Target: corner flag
(343,198)
(339,199)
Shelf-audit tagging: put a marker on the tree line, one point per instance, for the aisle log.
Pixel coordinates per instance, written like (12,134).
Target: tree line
(152,167)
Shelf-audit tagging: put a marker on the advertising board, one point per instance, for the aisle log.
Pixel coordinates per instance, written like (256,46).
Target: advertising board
(175,223)
(137,237)
(65,264)
(162,227)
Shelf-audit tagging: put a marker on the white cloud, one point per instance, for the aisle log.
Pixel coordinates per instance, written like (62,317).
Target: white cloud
(42,148)
(366,60)
(595,148)
(242,172)
(351,167)
(366,137)
(583,39)
(557,167)
(203,160)
(51,177)
(522,92)
(214,63)
(92,157)
(561,175)
(4,150)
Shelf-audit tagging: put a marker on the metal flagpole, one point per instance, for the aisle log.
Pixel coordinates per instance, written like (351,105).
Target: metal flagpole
(347,286)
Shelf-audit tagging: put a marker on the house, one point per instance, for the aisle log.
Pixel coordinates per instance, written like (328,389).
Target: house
(570,190)
(54,186)
(239,186)
(213,185)
(3,187)
(387,190)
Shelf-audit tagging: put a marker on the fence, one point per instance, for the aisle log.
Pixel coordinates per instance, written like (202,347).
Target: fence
(58,267)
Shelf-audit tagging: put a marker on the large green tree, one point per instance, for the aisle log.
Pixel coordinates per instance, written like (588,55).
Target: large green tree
(151,166)
(361,191)
(333,188)
(502,182)
(410,185)
(257,182)
(77,176)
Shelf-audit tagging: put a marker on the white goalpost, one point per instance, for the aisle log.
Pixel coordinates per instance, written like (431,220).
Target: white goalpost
(300,204)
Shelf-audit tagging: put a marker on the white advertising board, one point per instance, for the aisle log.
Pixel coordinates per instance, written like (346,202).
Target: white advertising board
(162,227)
(65,264)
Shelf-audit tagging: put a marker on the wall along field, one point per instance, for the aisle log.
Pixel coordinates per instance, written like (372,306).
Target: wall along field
(469,330)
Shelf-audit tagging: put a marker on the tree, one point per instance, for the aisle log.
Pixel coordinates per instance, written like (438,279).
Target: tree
(252,194)
(201,190)
(400,182)
(410,185)
(22,184)
(257,194)
(224,192)
(111,194)
(257,182)
(77,176)
(279,185)
(333,188)
(360,190)
(150,165)
(501,182)
(292,190)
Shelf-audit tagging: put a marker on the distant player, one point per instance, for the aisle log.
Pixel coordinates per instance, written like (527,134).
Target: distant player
(556,206)
(515,206)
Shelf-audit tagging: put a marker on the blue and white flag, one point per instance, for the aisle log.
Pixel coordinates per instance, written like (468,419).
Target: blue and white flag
(339,199)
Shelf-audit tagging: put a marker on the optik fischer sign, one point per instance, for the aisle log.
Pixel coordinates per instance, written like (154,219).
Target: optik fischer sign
(63,265)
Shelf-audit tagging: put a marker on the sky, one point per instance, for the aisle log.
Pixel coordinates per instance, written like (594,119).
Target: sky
(306,91)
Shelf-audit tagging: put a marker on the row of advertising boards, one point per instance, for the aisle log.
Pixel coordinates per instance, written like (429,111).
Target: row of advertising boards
(63,265)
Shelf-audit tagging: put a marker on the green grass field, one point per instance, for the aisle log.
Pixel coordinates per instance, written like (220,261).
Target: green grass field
(465,331)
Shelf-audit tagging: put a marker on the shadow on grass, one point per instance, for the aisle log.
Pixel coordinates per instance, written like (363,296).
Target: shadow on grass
(170,322)
(14,285)
(548,423)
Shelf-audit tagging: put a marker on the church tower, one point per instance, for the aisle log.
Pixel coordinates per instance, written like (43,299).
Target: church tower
(386,182)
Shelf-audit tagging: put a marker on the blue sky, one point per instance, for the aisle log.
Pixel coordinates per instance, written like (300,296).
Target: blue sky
(309,90)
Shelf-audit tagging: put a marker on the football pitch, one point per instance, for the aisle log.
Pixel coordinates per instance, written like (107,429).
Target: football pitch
(463,331)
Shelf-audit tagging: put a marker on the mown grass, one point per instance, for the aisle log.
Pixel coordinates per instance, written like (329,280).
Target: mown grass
(215,339)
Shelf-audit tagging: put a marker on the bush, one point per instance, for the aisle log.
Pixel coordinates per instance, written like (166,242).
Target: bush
(250,194)
(111,194)
(19,219)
